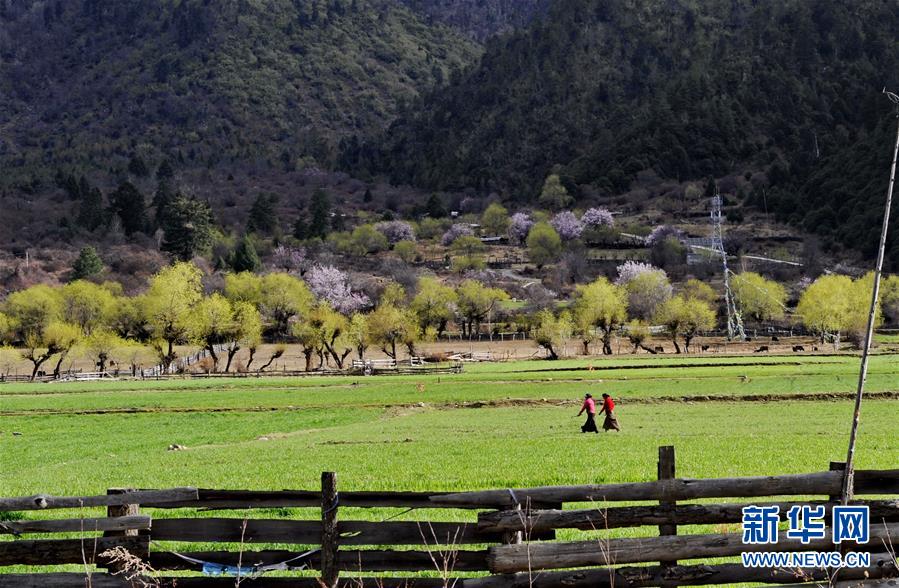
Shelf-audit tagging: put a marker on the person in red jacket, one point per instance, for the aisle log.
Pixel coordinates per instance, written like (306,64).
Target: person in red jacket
(590,407)
(608,406)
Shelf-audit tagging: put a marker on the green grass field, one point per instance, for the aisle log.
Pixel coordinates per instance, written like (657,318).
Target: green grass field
(884,338)
(493,426)
(416,432)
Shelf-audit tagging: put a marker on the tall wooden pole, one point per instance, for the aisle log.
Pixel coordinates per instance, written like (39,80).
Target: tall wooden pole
(848,477)
(330,565)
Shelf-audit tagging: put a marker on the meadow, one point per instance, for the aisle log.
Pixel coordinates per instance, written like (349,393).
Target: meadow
(494,426)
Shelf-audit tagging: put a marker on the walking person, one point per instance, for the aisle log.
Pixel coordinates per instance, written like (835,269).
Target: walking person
(590,407)
(608,407)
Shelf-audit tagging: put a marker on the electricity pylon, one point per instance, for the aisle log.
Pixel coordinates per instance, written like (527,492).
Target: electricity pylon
(734,319)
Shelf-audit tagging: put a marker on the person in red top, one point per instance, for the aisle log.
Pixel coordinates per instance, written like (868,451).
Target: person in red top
(590,407)
(608,406)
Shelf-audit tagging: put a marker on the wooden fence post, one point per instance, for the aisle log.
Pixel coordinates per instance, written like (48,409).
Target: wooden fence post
(836,466)
(125,510)
(330,568)
(666,471)
(513,537)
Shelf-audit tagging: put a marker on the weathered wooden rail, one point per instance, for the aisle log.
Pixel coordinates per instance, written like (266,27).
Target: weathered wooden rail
(546,556)
(508,537)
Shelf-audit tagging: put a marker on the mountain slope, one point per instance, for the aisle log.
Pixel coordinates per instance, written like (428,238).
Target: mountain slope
(480,19)
(615,89)
(85,84)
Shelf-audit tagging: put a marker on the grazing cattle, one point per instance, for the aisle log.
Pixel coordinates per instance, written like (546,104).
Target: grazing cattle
(660,349)
(775,339)
(798,348)
(705,348)
(762,349)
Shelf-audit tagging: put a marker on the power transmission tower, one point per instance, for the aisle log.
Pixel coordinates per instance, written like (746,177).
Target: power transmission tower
(734,320)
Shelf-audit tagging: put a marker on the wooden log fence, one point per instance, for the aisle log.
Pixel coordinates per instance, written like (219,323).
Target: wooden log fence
(132,523)
(606,552)
(208,499)
(229,530)
(70,580)
(145,497)
(597,519)
(508,540)
(349,560)
(881,583)
(882,565)
(68,551)
(815,484)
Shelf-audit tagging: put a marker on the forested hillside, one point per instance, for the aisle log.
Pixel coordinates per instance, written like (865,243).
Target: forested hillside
(480,18)
(627,102)
(86,84)
(612,90)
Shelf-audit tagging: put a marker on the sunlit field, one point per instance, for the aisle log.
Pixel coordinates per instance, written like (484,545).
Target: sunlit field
(495,425)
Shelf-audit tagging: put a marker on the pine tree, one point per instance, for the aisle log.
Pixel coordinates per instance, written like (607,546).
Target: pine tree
(90,211)
(165,170)
(710,188)
(320,210)
(162,199)
(435,207)
(300,228)
(128,203)
(187,225)
(137,167)
(73,190)
(88,264)
(263,217)
(245,258)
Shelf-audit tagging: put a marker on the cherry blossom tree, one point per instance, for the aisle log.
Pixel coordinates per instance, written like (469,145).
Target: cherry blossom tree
(289,259)
(647,287)
(595,218)
(456,231)
(629,270)
(519,226)
(567,225)
(331,285)
(396,231)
